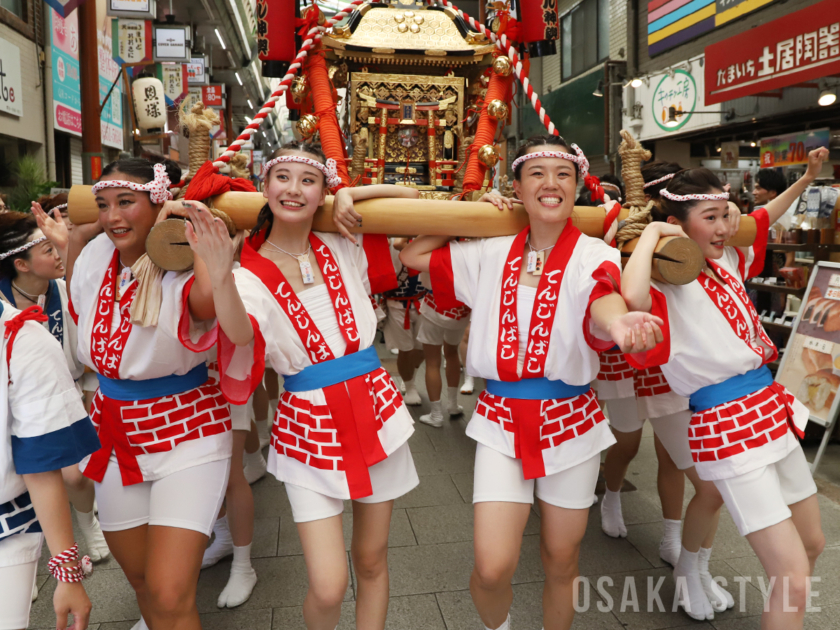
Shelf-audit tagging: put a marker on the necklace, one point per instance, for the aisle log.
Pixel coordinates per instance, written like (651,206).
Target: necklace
(40,300)
(536,258)
(126,275)
(303,261)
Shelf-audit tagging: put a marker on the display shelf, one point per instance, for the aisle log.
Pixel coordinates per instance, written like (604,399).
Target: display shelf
(775,288)
(774,327)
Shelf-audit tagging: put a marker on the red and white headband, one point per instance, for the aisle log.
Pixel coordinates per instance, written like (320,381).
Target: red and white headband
(659,181)
(579,158)
(329,170)
(23,248)
(158,188)
(705,197)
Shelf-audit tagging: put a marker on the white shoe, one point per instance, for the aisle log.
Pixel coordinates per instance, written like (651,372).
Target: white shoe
(394,351)
(432,420)
(255,466)
(412,397)
(469,385)
(34,591)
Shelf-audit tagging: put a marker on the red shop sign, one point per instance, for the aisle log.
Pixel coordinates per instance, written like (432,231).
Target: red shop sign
(802,46)
(211,95)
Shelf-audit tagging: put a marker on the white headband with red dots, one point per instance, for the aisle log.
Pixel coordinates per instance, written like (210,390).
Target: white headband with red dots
(23,248)
(704,197)
(579,158)
(158,188)
(659,181)
(329,169)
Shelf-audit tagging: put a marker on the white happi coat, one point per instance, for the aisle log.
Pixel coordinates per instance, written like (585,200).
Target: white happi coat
(162,431)
(472,272)
(702,348)
(43,427)
(305,447)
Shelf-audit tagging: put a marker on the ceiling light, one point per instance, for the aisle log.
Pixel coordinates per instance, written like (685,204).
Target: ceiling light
(250,104)
(752,144)
(237,78)
(221,41)
(827,97)
(635,82)
(718,149)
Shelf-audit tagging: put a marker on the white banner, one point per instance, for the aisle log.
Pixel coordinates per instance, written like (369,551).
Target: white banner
(11,94)
(683,89)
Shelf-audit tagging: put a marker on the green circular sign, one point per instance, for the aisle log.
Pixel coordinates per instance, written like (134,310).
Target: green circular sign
(679,92)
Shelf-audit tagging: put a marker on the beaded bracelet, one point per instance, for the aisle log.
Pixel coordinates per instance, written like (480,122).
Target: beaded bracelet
(75,573)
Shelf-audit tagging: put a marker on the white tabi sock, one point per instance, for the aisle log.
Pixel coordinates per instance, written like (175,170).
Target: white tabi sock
(222,545)
(412,396)
(452,406)
(718,596)
(612,520)
(97,547)
(692,595)
(469,385)
(140,625)
(435,418)
(670,545)
(242,579)
(504,626)
(254,466)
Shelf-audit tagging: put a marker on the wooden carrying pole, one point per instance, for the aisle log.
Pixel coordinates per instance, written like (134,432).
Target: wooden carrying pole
(401,217)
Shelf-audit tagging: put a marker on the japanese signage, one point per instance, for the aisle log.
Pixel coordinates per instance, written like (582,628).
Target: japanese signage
(212,95)
(110,121)
(67,95)
(63,7)
(174,79)
(196,71)
(681,89)
(792,148)
(674,22)
(139,9)
(11,95)
(171,43)
(133,40)
(729,153)
(802,46)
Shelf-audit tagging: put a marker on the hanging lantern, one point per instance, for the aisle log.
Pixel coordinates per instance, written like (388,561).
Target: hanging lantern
(539,26)
(149,105)
(497,109)
(276,36)
(488,155)
(307,125)
(502,66)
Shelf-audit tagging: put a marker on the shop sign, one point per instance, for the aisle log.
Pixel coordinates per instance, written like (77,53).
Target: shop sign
(213,95)
(729,153)
(172,43)
(11,95)
(67,95)
(799,47)
(681,89)
(134,40)
(110,121)
(792,148)
(174,79)
(138,9)
(197,71)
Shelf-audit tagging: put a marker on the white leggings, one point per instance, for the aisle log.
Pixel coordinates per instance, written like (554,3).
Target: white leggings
(16,582)
(189,498)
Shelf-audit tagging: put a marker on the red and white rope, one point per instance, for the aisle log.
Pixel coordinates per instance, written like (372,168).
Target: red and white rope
(506,47)
(312,37)
(75,573)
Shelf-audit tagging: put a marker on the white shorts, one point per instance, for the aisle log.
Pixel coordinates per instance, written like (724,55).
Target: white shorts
(760,498)
(433,334)
(397,337)
(672,430)
(16,582)
(240,415)
(500,478)
(390,479)
(189,498)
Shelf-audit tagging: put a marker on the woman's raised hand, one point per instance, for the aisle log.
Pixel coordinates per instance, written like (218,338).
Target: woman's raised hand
(209,239)
(497,200)
(178,209)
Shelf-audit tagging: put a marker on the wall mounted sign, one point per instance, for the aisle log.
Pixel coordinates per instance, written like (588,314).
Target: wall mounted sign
(802,46)
(67,94)
(137,9)
(792,148)
(111,120)
(174,79)
(172,43)
(11,94)
(197,71)
(132,40)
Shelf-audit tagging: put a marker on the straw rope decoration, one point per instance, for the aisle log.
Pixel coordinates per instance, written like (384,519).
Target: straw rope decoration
(632,155)
(314,36)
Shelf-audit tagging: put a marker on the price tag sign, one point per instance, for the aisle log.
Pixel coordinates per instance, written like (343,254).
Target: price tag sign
(833,293)
(820,345)
(834,280)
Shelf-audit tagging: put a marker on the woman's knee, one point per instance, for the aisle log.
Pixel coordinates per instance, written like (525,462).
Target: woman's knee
(707,493)
(328,591)
(74,479)
(171,598)
(494,573)
(560,562)
(793,590)
(370,564)
(815,545)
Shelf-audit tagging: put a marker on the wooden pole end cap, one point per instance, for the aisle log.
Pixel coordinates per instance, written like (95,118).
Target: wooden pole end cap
(167,246)
(687,261)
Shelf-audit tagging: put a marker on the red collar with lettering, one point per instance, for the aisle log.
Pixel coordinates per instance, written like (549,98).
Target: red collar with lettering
(271,276)
(542,315)
(107,350)
(734,315)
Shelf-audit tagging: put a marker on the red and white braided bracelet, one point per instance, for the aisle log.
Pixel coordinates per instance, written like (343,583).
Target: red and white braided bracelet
(75,573)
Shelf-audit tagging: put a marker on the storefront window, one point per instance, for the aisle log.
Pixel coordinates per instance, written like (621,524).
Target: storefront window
(14,6)
(586,37)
